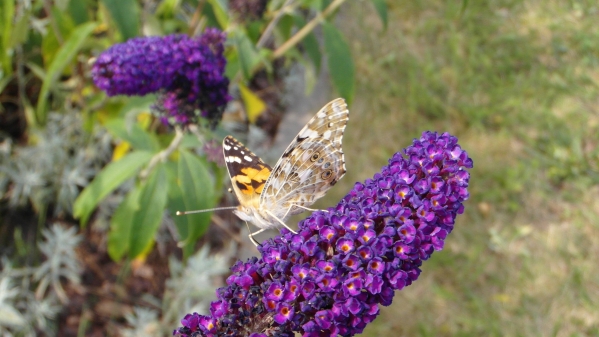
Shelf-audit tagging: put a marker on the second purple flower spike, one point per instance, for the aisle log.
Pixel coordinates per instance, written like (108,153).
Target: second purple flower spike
(187,73)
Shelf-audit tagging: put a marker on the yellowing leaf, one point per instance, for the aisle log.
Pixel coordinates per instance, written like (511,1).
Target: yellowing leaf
(254,106)
(120,150)
(144,119)
(140,260)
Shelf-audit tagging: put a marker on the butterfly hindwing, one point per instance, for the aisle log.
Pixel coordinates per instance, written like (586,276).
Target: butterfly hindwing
(310,165)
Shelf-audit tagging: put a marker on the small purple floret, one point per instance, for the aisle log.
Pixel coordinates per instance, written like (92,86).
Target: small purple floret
(345,263)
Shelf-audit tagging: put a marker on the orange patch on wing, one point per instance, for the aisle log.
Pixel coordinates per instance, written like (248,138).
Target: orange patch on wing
(252,180)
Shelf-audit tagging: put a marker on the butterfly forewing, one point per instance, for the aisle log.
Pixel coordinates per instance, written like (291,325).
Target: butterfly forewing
(247,171)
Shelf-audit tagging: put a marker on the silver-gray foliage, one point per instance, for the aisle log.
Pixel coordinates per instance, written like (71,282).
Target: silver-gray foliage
(53,168)
(61,261)
(190,288)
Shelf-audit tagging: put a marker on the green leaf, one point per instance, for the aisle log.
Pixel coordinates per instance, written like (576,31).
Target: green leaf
(136,105)
(121,225)
(113,175)
(190,140)
(38,71)
(381,9)
(21,30)
(125,14)
(284,26)
(168,8)
(63,57)
(341,64)
(176,202)
(247,53)
(220,11)
(254,30)
(233,64)
(310,44)
(63,26)
(7,13)
(78,11)
(197,187)
(133,134)
(147,218)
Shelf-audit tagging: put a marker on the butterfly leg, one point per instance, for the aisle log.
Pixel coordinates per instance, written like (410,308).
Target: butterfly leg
(306,208)
(281,222)
(256,243)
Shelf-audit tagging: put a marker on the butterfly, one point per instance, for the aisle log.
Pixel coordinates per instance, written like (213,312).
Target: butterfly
(308,168)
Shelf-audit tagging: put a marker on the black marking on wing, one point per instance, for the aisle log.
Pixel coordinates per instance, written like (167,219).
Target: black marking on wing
(234,167)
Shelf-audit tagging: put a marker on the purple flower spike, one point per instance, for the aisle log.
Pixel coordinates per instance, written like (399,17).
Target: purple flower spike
(332,277)
(188,74)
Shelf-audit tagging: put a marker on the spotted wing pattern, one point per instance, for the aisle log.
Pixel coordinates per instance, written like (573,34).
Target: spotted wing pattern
(310,165)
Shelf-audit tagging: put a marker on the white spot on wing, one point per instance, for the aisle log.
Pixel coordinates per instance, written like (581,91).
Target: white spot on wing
(227,147)
(248,158)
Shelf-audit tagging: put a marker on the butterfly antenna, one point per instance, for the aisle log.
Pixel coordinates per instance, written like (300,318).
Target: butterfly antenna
(204,210)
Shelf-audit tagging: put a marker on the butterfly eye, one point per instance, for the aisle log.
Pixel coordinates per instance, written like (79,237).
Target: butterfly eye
(326,174)
(315,156)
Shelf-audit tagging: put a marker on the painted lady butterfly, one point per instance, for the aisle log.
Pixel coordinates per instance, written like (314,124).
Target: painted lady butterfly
(308,168)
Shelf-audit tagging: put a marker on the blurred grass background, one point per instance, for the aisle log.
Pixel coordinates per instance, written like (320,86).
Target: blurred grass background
(517,82)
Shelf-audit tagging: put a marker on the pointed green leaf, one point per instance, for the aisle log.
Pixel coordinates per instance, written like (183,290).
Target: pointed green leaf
(168,8)
(381,9)
(63,57)
(147,219)
(220,11)
(125,14)
(133,134)
(121,225)
(7,14)
(197,187)
(340,62)
(247,53)
(310,44)
(233,64)
(190,140)
(21,30)
(113,175)
(176,202)
(79,11)
(284,26)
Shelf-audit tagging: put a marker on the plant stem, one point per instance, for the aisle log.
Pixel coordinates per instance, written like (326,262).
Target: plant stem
(162,155)
(196,21)
(295,39)
(273,23)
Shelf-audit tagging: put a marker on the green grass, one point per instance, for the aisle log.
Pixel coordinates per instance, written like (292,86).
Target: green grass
(518,83)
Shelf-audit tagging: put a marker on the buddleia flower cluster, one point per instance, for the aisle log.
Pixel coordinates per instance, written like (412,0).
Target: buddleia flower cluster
(186,72)
(331,277)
